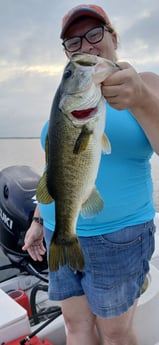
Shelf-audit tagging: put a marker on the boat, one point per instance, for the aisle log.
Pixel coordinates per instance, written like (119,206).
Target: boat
(28,316)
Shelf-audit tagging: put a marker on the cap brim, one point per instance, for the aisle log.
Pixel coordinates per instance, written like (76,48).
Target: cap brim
(79,13)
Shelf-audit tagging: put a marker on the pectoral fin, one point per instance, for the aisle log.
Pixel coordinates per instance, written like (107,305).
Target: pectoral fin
(42,194)
(93,205)
(82,140)
(106,146)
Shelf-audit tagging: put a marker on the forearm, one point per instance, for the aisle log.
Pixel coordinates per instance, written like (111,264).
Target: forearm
(147,114)
(36,216)
(36,212)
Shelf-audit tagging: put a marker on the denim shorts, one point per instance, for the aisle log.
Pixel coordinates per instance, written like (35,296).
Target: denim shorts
(115,268)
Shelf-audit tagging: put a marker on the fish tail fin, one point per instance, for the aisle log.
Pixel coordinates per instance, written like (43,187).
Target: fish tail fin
(74,256)
(42,194)
(65,252)
(56,256)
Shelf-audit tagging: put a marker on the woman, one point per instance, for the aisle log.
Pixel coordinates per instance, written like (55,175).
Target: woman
(119,242)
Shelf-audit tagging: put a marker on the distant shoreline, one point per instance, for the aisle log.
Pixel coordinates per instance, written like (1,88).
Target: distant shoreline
(1,138)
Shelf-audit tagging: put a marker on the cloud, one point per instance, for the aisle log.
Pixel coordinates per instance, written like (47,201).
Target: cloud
(9,71)
(141,38)
(32,59)
(30,92)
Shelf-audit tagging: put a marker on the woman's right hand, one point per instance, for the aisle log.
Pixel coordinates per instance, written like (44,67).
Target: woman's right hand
(33,241)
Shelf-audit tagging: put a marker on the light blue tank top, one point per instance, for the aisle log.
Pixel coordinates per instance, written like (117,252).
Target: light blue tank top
(124,179)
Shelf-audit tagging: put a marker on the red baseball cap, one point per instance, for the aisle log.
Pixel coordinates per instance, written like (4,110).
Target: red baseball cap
(89,10)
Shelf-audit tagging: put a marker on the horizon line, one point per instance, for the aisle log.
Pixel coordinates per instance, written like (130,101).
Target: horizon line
(22,137)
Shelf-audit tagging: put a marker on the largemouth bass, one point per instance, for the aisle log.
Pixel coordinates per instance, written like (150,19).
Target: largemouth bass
(73,152)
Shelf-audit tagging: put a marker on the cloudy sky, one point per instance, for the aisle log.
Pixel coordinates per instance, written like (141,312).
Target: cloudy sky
(32,58)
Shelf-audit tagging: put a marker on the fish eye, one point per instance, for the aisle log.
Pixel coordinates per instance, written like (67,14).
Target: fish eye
(67,73)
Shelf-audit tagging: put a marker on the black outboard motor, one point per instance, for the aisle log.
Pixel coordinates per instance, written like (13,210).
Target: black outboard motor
(17,203)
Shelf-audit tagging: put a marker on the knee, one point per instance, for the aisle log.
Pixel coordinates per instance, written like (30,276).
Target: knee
(120,338)
(76,324)
(114,339)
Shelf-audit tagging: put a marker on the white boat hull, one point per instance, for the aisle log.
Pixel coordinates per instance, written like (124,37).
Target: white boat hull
(146,318)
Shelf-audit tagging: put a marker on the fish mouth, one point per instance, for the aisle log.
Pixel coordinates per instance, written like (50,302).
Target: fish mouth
(82,114)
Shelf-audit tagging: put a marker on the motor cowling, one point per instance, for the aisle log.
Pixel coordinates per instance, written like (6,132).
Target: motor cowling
(17,204)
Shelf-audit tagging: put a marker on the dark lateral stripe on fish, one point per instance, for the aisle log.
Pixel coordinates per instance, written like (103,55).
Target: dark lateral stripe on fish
(81,114)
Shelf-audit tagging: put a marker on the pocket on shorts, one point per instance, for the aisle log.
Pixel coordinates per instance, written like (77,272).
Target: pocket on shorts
(115,257)
(152,230)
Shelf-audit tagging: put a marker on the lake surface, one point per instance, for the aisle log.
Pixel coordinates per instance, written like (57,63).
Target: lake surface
(29,152)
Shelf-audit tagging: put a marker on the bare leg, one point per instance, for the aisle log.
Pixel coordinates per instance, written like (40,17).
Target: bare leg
(119,330)
(80,322)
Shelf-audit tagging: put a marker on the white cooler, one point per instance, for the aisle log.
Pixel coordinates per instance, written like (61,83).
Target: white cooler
(14,320)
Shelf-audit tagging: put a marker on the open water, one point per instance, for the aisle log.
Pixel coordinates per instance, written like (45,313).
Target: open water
(29,152)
